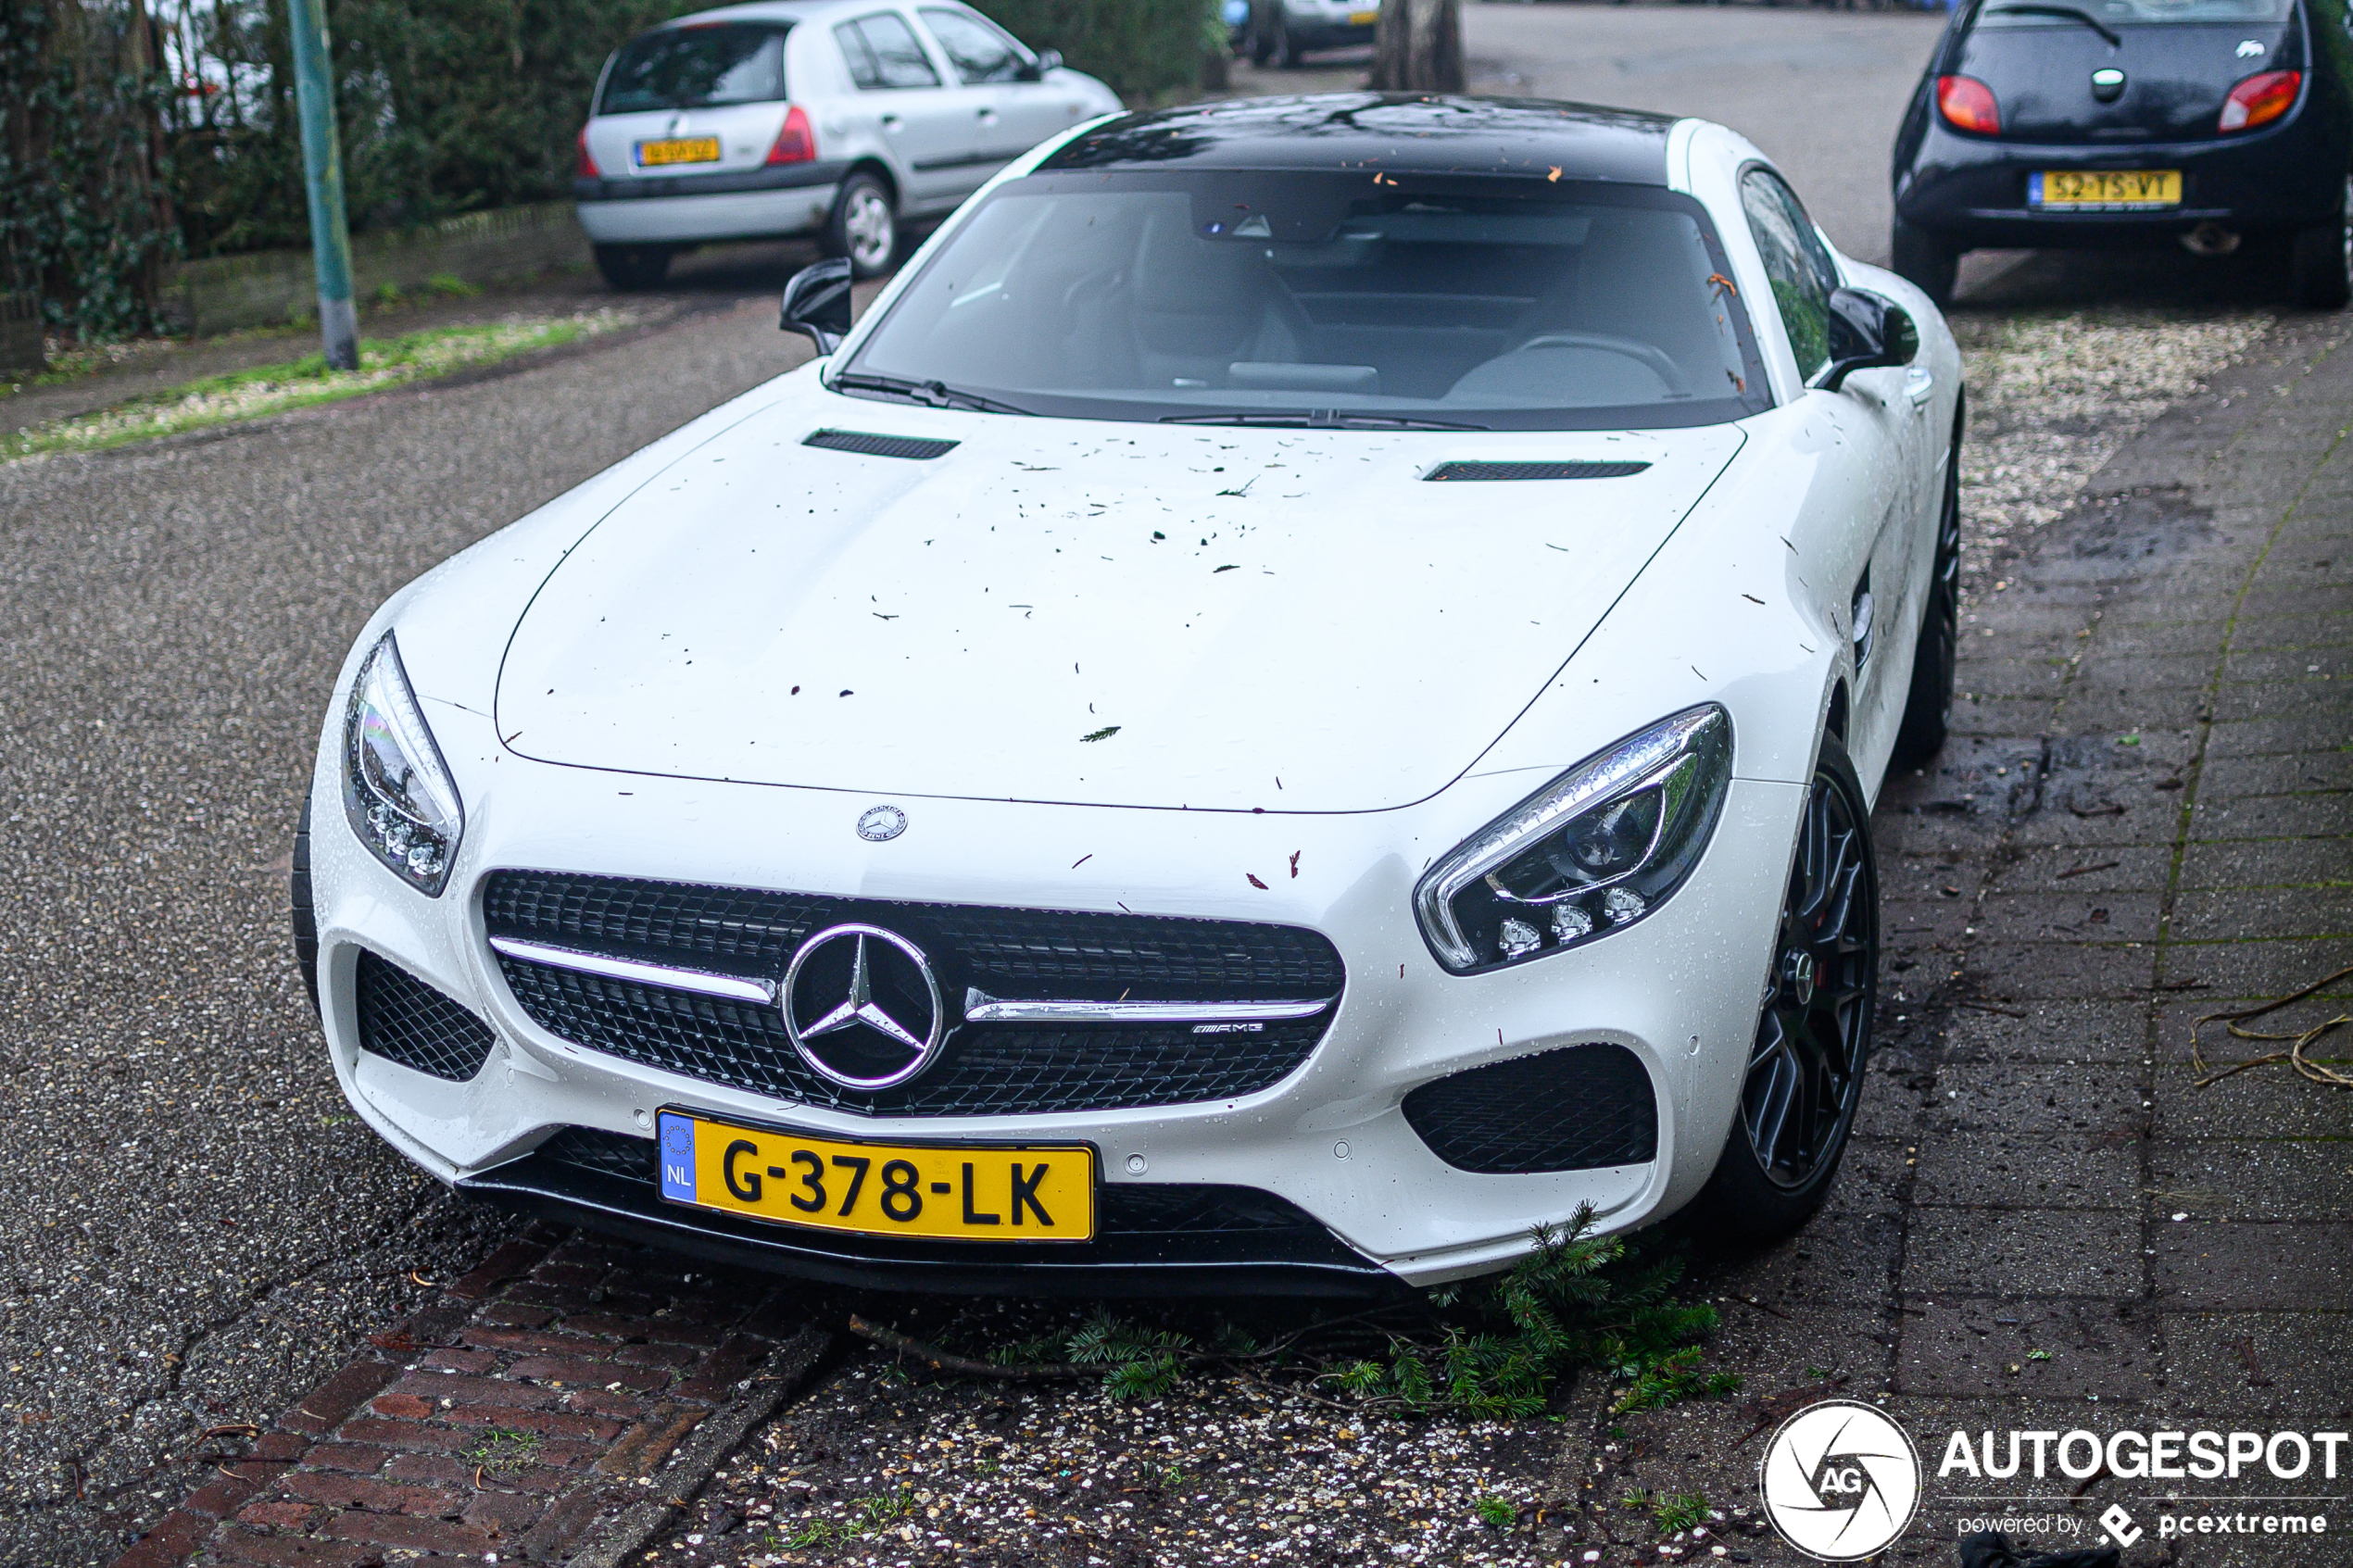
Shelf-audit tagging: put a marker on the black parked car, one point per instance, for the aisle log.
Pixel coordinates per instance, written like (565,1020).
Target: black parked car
(2131,122)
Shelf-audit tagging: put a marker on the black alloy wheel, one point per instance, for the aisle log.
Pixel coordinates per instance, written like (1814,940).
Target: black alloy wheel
(633,267)
(1805,1074)
(2320,260)
(1928,707)
(1925,261)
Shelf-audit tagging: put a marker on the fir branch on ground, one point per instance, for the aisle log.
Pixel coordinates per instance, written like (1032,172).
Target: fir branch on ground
(1495,1348)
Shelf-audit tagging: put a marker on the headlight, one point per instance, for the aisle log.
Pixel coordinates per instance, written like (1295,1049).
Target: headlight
(1597,849)
(395,788)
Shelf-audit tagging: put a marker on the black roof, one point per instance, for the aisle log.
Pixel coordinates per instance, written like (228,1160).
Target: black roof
(1421,132)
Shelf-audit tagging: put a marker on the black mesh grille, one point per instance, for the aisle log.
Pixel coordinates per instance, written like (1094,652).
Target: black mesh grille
(1493,472)
(1127,1209)
(1571,1110)
(404,1019)
(999,1068)
(922,448)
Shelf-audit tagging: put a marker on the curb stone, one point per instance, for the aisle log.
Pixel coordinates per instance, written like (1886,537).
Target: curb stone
(508,1419)
(788,1372)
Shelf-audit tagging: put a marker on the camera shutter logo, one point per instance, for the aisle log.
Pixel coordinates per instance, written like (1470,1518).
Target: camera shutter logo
(1840,1480)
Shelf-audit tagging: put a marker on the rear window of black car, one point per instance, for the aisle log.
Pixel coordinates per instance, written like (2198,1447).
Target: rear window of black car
(694,68)
(2129,13)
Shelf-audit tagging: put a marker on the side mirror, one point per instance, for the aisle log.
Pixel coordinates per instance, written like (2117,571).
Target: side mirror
(817,302)
(1867,331)
(1048,60)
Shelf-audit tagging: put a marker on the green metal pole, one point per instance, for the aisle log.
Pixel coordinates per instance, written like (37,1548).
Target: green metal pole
(322,173)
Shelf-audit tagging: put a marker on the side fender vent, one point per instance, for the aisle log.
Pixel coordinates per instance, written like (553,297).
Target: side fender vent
(1494,471)
(922,448)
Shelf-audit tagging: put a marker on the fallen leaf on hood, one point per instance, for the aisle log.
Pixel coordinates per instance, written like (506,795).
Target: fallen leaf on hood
(1294,862)
(1104,733)
(1255,882)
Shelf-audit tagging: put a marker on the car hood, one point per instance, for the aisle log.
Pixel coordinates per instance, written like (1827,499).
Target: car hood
(1082,611)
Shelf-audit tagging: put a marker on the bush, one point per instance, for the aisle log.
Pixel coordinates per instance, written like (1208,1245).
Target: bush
(1144,50)
(444,107)
(83,223)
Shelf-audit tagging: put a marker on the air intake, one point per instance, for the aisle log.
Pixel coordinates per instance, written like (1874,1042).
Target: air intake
(404,1019)
(922,448)
(1572,1109)
(1493,472)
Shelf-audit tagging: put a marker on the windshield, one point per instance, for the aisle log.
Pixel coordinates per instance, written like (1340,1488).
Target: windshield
(694,68)
(2131,13)
(1350,298)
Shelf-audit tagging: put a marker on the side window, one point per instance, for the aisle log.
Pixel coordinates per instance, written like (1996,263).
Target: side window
(900,61)
(861,59)
(979,52)
(1801,268)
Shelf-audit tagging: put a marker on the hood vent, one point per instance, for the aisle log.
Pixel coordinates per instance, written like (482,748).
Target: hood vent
(1491,471)
(922,448)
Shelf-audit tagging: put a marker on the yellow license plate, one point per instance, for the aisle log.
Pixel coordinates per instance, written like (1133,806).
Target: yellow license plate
(2106,188)
(678,149)
(1363,19)
(990,1192)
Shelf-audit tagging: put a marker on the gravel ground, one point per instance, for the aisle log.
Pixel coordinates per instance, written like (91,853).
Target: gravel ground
(2053,395)
(877,1473)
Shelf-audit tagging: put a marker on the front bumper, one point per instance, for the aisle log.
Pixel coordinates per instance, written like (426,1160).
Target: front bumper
(1678,990)
(1973,191)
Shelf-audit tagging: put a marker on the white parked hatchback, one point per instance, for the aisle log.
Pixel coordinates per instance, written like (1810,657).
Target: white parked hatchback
(838,118)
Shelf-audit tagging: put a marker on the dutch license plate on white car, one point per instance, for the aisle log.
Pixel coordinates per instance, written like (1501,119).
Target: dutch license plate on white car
(984,1192)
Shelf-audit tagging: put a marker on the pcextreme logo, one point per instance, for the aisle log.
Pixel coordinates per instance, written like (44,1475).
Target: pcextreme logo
(1840,1480)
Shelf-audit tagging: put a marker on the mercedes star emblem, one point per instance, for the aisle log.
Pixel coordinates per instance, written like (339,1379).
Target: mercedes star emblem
(880,824)
(863,1008)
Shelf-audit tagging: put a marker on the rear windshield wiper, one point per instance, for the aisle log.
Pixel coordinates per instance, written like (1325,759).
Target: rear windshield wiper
(930,393)
(2069,13)
(1320,419)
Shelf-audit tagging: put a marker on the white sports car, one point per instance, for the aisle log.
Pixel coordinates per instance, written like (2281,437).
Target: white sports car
(1299,699)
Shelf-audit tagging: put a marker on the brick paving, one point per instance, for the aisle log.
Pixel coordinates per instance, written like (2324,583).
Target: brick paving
(513,1419)
(2146,814)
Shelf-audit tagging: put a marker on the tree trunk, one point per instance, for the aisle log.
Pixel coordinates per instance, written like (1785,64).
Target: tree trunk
(1419,47)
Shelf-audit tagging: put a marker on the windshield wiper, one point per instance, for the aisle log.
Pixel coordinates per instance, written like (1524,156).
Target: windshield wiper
(930,393)
(2067,13)
(1322,418)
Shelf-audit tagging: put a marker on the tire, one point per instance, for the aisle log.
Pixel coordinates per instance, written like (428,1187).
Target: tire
(1286,48)
(633,267)
(1928,708)
(1805,1075)
(2321,260)
(1926,261)
(305,916)
(864,226)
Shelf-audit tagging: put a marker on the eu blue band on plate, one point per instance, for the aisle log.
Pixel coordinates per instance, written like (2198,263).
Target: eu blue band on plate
(677,1157)
(2034,190)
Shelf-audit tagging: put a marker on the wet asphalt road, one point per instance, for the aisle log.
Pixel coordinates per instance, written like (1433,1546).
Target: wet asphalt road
(197,1230)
